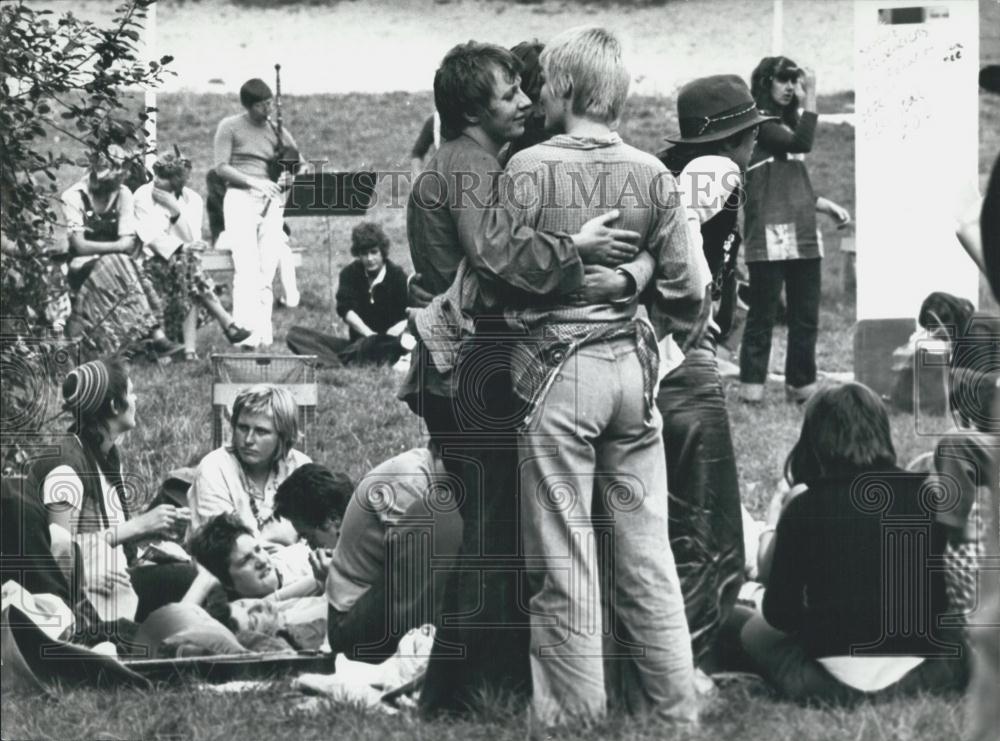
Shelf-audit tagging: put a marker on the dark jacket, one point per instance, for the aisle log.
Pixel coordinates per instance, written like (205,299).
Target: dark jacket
(380,307)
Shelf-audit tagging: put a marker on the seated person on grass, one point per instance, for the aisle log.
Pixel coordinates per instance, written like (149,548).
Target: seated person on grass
(242,477)
(85,489)
(966,463)
(371,296)
(374,533)
(371,299)
(168,217)
(822,636)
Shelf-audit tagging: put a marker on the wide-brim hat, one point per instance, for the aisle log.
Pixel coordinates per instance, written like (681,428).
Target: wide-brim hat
(712,108)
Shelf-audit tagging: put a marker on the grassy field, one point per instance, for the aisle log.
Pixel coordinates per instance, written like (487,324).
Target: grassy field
(360,423)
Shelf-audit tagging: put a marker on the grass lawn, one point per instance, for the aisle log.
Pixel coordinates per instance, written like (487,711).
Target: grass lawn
(360,423)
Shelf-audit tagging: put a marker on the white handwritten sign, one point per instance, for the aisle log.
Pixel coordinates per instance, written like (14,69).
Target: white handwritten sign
(916,68)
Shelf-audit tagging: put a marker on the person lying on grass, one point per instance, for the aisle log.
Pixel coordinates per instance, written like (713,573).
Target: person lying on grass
(376,533)
(835,544)
(242,477)
(264,592)
(230,554)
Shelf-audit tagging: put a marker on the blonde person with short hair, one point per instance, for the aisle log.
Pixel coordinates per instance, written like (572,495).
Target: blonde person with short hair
(607,621)
(242,477)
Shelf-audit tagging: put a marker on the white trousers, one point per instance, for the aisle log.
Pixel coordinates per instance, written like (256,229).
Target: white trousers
(286,274)
(255,237)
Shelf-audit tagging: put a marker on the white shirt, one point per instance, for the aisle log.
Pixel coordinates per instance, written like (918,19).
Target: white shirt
(870,673)
(63,486)
(705,185)
(221,486)
(74,212)
(153,225)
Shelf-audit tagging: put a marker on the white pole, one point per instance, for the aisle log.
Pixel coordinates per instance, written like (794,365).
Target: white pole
(149,49)
(777,27)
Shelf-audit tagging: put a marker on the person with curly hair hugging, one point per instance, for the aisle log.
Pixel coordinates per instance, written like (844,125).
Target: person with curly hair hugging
(168,217)
(243,477)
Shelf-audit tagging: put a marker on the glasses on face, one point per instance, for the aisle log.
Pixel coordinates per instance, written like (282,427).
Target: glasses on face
(787,77)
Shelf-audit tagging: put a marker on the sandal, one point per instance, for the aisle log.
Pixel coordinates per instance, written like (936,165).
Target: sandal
(235,334)
(191,356)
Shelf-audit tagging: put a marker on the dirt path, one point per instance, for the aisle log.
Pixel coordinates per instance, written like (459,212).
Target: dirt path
(379,46)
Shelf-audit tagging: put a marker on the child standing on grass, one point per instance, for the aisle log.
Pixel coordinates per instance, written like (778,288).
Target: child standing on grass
(853,605)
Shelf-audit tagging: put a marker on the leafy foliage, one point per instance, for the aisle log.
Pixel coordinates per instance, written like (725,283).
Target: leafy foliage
(66,75)
(58,74)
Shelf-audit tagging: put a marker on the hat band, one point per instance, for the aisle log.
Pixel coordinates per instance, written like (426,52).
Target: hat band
(700,125)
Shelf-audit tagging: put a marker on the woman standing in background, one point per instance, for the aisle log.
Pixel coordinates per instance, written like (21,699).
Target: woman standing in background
(783,244)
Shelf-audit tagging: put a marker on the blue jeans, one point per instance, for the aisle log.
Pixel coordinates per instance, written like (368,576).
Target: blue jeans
(802,281)
(607,614)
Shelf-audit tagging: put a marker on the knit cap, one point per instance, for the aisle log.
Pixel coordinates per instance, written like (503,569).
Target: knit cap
(85,388)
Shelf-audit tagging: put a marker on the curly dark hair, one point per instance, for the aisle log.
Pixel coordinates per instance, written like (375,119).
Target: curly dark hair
(313,494)
(212,544)
(366,235)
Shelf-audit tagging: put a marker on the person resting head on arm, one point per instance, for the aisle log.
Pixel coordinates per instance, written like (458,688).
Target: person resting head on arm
(273,595)
(232,555)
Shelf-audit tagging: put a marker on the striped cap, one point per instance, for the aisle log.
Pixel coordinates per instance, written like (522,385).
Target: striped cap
(85,387)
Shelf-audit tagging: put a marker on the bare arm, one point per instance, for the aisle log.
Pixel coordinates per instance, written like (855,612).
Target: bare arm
(358,324)
(307,586)
(80,246)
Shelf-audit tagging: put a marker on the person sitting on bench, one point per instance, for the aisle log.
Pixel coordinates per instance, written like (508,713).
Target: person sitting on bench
(114,305)
(168,221)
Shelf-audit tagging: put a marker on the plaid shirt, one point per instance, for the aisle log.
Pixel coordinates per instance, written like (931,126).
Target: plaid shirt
(559,185)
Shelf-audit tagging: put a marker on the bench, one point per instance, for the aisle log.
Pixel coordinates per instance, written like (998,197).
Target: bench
(221,261)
